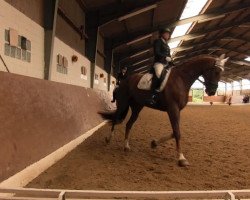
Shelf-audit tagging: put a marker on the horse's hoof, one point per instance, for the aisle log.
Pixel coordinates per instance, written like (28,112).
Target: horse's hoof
(153,144)
(107,140)
(183,163)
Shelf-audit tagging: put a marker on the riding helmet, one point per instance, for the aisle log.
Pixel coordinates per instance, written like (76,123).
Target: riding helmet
(164,30)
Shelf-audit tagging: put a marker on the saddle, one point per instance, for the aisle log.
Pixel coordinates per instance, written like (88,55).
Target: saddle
(148,81)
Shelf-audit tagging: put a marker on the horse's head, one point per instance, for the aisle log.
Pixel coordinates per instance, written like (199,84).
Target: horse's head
(212,75)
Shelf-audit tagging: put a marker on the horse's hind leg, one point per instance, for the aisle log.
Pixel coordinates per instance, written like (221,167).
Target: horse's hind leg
(112,133)
(136,108)
(121,107)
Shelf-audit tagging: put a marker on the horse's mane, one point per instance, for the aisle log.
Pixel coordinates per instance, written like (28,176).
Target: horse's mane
(190,61)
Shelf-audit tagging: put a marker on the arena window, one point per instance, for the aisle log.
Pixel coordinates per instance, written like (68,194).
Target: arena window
(17,46)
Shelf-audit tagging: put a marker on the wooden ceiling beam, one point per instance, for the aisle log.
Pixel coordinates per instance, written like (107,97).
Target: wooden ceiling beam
(187,47)
(215,48)
(143,72)
(82,5)
(125,56)
(118,11)
(218,12)
(120,56)
(135,55)
(137,12)
(239,62)
(146,62)
(141,68)
(123,40)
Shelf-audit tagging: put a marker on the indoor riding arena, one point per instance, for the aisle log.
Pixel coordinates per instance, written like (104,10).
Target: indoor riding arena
(81,113)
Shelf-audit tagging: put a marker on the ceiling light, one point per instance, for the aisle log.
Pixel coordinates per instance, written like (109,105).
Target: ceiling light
(192,8)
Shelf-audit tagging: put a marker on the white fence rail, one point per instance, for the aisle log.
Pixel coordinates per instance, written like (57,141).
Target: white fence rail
(52,194)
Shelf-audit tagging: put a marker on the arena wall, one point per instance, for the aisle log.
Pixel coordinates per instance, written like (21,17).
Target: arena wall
(220,99)
(100,79)
(21,61)
(30,8)
(74,75)
(43,115)
(65,32)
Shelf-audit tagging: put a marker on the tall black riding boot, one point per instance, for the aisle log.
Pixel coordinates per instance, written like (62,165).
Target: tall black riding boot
(154,97)
(163,74)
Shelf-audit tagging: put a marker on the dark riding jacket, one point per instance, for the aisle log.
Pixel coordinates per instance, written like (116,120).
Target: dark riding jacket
(161,51)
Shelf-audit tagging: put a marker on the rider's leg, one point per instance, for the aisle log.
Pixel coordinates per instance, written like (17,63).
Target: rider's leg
(160,74)
(163,74)
(158,67)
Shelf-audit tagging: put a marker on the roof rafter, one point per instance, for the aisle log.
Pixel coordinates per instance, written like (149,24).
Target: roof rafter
(107,14)
(124,57)
(215,48)
(137,35)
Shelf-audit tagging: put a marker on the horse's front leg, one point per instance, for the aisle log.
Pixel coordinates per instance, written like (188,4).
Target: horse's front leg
(174,116)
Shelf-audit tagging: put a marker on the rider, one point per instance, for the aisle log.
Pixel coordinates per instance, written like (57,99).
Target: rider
(162,59)
(162,54)
(121,76)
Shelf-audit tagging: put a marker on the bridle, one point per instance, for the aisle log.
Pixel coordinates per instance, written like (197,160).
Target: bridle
(210,84)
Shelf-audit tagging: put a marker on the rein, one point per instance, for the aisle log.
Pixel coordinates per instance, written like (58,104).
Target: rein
(211,84)
(201,81)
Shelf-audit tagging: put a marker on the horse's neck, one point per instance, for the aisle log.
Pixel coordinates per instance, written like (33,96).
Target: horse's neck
(190,75)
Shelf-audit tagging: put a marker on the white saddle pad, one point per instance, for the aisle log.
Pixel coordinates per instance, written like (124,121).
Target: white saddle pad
(146,81)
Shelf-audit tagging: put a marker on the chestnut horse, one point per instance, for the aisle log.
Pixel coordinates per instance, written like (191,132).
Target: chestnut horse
(172,99)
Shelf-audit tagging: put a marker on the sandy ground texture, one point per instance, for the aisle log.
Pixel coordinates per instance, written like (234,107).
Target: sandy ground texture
(215,140)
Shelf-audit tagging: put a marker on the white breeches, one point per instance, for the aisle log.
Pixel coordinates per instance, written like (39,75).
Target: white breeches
(158,67)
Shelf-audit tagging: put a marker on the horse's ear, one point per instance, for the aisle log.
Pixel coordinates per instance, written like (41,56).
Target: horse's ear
(226,59)
(222,56)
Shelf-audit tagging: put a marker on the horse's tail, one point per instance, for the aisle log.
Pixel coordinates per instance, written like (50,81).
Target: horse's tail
(107,115)
(122,99)
(117,116)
